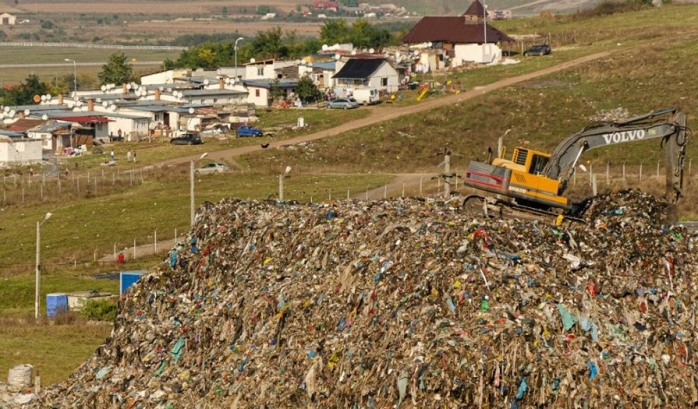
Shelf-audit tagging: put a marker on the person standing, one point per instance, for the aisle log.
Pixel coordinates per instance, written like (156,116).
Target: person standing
(128,156)
(134,156)
(112,154)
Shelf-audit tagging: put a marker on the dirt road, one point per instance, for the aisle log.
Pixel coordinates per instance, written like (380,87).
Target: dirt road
(380,114)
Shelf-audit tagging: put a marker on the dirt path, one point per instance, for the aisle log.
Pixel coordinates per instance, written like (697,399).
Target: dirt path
(380,114)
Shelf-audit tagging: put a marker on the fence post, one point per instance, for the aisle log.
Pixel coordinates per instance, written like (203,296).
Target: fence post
(155,241)
(657,169)
(623,172)
(689,166)
(385,191)
(403,190)
(640,171)
(593,185)
(608,174)
(134,249)
(347,194)
(366,192)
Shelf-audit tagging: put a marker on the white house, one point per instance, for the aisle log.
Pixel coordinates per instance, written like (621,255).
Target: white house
(49,134)
(260,90)
(7,19)
(270,69)
(367,73)
(19,150)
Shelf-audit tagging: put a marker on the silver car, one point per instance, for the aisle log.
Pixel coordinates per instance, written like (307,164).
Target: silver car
(343,103)
(213,167)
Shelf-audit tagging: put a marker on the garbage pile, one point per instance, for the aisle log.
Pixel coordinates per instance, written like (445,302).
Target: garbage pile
(404,303)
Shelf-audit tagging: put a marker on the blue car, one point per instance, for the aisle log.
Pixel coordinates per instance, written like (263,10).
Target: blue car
(247,130)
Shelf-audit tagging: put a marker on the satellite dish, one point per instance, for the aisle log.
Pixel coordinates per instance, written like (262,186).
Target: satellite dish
(43,98)
(206,81)
(48,97)
(105,104)
(7,109)
(161,88)
(252,60)
(337,56)
(44,117)
(371,50)
(26,112)
(191,110)
(103,88)
(113,108)
(12,113)
(71,105)
(325,47)
(98,100)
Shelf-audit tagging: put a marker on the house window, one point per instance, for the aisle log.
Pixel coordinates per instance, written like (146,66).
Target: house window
(260,71)
(215,100)
(384,82)
(256,92)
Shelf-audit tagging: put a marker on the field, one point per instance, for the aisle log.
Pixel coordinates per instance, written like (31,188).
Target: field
(648,67)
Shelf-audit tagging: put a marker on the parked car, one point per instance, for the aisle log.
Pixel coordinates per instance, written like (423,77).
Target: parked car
(187,139)
(247,130)
(539,49)
(343,103)
(213,167)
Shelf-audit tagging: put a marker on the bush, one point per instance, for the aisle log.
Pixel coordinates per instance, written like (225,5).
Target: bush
(99,310)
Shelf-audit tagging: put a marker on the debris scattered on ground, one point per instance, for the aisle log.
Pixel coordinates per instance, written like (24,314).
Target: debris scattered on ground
(404,303)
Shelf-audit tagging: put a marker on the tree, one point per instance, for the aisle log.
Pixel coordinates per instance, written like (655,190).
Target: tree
(23,94)
(116,71)
(307,90)
(335,32)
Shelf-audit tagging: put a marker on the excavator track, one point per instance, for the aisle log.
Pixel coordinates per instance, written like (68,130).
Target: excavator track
(494,208)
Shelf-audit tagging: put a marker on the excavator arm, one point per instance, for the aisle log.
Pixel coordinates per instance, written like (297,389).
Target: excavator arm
(673,133)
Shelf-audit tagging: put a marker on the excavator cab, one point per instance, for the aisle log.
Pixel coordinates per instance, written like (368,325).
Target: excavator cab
(524,160)
(519,178)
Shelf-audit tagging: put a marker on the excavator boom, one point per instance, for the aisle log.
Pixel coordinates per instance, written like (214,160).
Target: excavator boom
(537,180)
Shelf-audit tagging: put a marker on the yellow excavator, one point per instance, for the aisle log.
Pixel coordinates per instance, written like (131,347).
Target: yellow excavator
(534,182)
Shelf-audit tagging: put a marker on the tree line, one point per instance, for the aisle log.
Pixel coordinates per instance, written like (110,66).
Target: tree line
(217,51)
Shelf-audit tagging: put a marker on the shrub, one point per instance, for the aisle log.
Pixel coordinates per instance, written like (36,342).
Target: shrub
(99,310)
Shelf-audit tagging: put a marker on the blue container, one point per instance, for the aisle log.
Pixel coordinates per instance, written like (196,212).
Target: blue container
(128,278)
(56,303)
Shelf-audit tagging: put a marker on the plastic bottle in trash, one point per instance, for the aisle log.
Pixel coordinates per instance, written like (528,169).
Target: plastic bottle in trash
(485,303)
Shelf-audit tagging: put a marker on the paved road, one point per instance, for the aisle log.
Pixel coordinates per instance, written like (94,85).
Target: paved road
(81,64)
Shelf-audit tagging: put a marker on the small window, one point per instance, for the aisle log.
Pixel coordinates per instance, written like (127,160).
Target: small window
(260,71)
(256,92)
(384,82)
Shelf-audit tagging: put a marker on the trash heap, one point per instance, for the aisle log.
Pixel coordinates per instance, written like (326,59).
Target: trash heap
(404,303)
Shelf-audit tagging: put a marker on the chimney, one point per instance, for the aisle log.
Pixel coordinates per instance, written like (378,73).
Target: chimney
(124,90)
(90,104)
(157,94)
(21,114)
(221,83)
(60,99)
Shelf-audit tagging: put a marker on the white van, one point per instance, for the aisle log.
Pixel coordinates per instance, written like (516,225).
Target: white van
(366,96)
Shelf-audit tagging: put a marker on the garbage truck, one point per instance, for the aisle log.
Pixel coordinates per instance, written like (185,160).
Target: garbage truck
(535,182)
